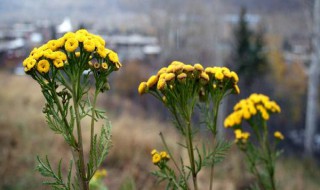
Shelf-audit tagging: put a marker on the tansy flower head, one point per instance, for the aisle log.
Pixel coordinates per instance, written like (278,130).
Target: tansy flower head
(198,67)
(255,104)
(188,68)
(154,151)
(219,75)
(156,158)
(89,45)
(161,84)
(104,65)
(71,44)
(152,81)
(43,66)
(99,174)
(54,45)
(58,63)
(278,135)
(142,88)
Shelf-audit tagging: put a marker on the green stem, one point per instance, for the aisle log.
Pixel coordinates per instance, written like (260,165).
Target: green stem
(93,117)
(56,99)
(254,167)
(170,154)
(81,168)
(214,133)
(269,157)
(170,177)
(191,154)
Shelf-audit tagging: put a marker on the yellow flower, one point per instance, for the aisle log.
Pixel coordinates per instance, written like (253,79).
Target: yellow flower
(71,44)
(204,76)
(171,69)
(68,35)
(37,54)
(89,45)
(53,45)
(30,63)
(162,70)
(163,154)
(214,86)
(226,72)
(236,89)
(182,77)
(100,40)
(154,151)
(245,135)
(278,135)
(161,84)
(234,77)
(58,63)
(43,66)
(77,54)
(177,63)
(238,133)
(246,114)
(113,56)
(152,81)
(169,76)
(49,54)
(43,47)
(209,70)
(96,65)
(156,158)
(60,42)
(82,32)
(104,65)
(81,37)
(102,52)
(164,99)
(198,67)
(219,75)
(188,68)
(99,174)
(142,88)
(61,55)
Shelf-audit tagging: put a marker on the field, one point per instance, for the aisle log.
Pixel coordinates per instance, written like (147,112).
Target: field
(24,135)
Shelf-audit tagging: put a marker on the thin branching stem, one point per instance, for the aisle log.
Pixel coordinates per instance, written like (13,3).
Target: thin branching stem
(81,167)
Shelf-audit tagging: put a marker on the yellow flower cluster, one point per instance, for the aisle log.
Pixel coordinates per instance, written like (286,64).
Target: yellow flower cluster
(159,157)
(77,46)
(99,174)
(278,135)
(256,104)
(241,136)
(179,73)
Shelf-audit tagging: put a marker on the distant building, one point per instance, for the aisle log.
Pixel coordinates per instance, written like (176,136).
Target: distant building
(134,46)
(297,49)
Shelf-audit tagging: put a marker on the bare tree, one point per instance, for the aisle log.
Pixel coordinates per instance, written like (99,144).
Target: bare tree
(313,83)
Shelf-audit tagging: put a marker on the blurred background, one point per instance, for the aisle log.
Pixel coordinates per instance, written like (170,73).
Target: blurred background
(273,45)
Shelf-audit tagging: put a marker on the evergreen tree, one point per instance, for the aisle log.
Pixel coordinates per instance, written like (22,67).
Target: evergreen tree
(249,57)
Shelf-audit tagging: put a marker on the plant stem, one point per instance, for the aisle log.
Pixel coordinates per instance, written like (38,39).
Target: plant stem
(214,133)
(169,152)
(269,157)
(93,117)
(191,154)
(81,168)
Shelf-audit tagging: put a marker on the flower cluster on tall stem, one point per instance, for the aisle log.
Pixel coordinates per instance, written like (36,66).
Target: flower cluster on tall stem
(66,68)
(181,87)
(256,111)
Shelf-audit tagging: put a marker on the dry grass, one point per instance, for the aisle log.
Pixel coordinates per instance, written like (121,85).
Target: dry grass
(24,135)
